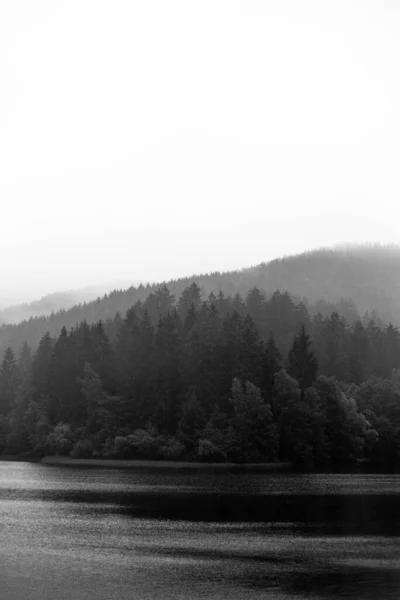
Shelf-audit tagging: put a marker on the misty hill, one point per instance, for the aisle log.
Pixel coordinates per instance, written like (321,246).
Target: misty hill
(52,303)
(351,281)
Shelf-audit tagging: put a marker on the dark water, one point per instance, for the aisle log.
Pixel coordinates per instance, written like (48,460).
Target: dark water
(68,533)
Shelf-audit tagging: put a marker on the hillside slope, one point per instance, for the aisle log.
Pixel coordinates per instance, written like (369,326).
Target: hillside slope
(53,303)
(370,276)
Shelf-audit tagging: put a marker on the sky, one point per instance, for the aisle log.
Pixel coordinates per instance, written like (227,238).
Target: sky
(146,140)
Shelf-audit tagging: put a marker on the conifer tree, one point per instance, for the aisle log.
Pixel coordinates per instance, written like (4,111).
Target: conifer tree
(96,400)
(302,362)
(272,363)
(8,382)
(238,305)
(40,367)
(192,422)
(191,296)
(254,435)
(360,360)
(25,361)
(167,376)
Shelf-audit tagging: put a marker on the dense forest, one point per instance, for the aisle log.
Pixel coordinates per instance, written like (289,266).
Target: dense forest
(216,378)
(351,282)
(52,303)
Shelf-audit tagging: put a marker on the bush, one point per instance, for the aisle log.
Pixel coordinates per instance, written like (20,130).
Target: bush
(147,444)
(143,444)
(3,433)
(209,452)
(108,449)
(82,449)
(60,440)
(173,449)
(123,448)
(41,449)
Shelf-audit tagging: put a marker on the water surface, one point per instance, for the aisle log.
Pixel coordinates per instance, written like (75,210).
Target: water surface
(76,533)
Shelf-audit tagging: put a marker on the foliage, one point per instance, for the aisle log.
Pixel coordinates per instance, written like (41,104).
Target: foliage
(60,439)
(254,435)
(209,452)
(82,449)
(183,378)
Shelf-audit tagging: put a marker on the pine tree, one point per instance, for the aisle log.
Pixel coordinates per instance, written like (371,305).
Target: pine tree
(272,363)
(285,393)
(65,365)
(192,422)
(159,303)
(142,392)
(302,362)
(126,351)
(200,357)
(251,356)
(8,382)
(96,400)
(40,367)
(25,361)
(256,307)
(333,348)
(102,358)
(189,320)
(359,354)
(283,317)
(167,376)
(239,306)
(391,349)
(254,435)
(223,305)
(191,296)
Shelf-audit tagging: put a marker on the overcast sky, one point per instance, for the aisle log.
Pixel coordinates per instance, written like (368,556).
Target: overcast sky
(147,140)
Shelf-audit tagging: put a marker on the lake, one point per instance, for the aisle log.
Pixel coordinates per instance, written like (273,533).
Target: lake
(80,533)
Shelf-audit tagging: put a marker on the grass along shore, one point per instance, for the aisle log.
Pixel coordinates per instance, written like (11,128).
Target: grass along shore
(164,464)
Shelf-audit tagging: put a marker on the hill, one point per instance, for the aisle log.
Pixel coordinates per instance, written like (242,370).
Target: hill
(351,280)
(52,303)
(369,275)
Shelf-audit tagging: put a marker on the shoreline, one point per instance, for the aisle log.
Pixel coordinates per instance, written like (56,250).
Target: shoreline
(362,466)
(164,464)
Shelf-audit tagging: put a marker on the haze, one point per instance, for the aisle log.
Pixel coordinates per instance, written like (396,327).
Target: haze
(149,140)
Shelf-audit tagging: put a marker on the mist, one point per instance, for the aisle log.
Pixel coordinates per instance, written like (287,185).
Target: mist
(147,141)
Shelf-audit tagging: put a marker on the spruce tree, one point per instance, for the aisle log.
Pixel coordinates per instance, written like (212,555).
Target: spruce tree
(272,363)
(302,363)
(254,434)
(191,295)
(40,367)
(8,382)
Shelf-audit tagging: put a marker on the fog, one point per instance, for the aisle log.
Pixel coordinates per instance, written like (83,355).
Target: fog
(149,140)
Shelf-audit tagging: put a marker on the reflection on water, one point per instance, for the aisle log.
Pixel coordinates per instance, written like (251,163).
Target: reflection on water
(92,533)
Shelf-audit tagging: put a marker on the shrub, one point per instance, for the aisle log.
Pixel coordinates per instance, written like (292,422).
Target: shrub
(108,449)
(60,440)
(123,448)
(146,444)
(41,448)
(209,452)
(173,449)
(82,449)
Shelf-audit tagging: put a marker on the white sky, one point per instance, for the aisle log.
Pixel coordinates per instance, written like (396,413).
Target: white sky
(147,140)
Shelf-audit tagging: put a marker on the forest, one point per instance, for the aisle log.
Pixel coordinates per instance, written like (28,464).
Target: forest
(354,282)
(216,379)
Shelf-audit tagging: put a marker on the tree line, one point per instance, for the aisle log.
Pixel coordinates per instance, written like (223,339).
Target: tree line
(217,379)
(350,283)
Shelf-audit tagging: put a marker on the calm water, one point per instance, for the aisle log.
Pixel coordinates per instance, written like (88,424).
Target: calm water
(68,533)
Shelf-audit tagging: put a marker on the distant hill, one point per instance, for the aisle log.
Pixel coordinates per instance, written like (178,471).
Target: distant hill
(324,279)
(54,302)
(369,275)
